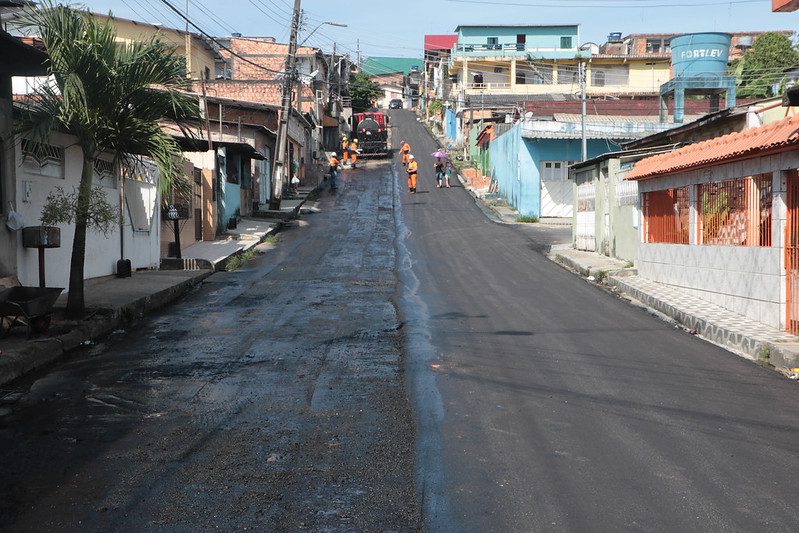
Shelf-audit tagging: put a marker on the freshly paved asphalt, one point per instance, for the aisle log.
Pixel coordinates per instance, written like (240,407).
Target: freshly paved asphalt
(545,403)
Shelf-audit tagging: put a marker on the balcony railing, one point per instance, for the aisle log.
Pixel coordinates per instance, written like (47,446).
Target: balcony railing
(512,49)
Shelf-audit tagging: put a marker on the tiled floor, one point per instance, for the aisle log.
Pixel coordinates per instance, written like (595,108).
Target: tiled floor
(710,313)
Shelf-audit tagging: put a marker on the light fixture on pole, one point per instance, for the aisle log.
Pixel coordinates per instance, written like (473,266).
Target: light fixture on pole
(326,23)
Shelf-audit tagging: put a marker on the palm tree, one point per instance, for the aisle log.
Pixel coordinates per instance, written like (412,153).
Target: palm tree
(112,98)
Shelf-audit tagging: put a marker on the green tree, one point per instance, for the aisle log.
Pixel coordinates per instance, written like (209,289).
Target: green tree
(762,66)
(112,98)
(362,91)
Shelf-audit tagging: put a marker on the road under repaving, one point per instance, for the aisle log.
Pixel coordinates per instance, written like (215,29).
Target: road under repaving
(561,407)
(271,399)
(401,361)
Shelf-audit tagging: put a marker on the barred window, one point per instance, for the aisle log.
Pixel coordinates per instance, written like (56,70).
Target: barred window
(43,159)
(736,212)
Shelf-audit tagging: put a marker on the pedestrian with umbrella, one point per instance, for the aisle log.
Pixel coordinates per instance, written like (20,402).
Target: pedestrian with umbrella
(439,168)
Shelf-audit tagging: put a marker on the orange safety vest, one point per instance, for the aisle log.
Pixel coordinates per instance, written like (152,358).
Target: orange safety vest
(406,148)
(412,167)
(333,162)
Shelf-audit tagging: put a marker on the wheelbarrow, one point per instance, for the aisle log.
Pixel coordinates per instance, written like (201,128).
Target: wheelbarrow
(27,306)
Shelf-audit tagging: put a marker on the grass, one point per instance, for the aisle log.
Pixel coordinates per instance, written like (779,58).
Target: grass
(272,239)
(237,261)
(527,219)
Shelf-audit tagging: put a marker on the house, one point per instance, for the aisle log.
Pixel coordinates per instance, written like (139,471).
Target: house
(659,44)
(436,80)
(254,74)
(530,162)
(398,77)
(605,205)
(719,220)
(19,59)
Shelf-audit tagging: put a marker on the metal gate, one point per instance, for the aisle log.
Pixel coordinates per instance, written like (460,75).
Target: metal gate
(792,255)
(585,225)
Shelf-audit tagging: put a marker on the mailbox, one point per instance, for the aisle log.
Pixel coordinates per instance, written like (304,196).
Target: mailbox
(41,237)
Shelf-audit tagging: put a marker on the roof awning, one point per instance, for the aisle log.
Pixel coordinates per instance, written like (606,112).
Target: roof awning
(200,144)
(485,136)
(765,140)
(20,59)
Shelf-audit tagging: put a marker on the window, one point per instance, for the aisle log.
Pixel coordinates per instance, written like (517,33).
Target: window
(492,41)
(499,70)
(654,46)
(604,75)
(569,74)
(667,216)
(42,159)
(521,78)
(736,212)
(555,170)
(667,45)
(565,42)
(104,173)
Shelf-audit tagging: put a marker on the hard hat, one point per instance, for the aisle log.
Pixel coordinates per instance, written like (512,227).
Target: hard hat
(411,157)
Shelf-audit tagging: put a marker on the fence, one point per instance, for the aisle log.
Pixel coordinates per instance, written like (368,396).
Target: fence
(667,216)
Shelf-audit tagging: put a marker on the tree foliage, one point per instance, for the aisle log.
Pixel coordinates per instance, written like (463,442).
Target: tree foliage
(61,208)
(362,91)
(762,66)
(112,98)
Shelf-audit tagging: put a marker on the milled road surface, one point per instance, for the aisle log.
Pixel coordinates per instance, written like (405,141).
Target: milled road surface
(555,406)
(272,399)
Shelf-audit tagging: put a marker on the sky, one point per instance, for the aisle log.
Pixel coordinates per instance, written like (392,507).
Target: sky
(397,28)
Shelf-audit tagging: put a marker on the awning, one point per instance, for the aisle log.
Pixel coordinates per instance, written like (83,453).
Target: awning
(200,144)
(755,142)
(486,135)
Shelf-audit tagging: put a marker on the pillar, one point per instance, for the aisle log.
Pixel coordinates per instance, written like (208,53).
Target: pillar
(679,105)
(513,75)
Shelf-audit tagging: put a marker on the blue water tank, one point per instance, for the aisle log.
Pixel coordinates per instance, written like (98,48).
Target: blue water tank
(700,54)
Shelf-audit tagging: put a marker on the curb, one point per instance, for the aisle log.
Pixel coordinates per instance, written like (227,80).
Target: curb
(585,271)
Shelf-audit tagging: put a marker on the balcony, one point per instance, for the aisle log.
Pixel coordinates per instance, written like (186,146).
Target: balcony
(513,50)
(522,89)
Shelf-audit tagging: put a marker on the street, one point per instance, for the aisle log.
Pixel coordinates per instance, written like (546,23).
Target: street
(401,362)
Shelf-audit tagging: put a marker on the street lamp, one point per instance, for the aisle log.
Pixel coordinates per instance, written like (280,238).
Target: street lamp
(326,23)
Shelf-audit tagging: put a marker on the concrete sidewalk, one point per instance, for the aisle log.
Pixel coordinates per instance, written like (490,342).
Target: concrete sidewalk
(113,302)
(737,333)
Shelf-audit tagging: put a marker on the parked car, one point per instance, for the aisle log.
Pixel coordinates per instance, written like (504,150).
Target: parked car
(396,103)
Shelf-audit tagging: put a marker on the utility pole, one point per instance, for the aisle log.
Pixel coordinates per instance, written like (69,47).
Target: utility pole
(358,52)
(583,83)
(279,173)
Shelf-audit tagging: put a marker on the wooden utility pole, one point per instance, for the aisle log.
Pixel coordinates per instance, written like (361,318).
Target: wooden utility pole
(279,172)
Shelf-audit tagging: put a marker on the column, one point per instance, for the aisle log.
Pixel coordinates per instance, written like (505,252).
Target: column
(513,75)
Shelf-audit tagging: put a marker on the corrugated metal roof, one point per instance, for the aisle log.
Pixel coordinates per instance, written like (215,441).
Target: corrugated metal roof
(778,136)
(374,66)
(440,42)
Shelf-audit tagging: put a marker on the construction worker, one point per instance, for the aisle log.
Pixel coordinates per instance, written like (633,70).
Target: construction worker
(333,171)
(354,152)
(345,148)
(412,170)
(405,150)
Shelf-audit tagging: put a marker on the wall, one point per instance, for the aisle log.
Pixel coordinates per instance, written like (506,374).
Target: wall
(516,165)
(102,252)
(8,239)
(451,125)
(745,279)
(537,37)
(201,55)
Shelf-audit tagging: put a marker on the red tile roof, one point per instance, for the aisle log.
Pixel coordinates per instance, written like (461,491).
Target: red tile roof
(439,42)
(776,137)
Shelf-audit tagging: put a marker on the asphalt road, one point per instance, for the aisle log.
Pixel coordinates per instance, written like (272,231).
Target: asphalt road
(545,403)
(271,399)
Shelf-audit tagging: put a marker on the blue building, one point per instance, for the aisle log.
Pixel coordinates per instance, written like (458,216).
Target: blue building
(530,162)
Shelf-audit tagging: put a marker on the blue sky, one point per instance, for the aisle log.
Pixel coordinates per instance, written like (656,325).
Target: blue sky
(396,28)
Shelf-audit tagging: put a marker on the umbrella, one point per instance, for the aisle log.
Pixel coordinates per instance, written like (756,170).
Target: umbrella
(440,154)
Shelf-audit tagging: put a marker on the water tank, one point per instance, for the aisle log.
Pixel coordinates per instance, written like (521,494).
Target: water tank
(700,54)
(614,37)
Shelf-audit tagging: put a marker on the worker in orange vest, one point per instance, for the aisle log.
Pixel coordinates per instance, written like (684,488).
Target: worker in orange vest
(412,170)
(354,152)
(345,148)
(405,150)
(333,171)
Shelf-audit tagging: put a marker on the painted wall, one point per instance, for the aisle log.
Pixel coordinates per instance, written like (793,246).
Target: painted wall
(537,37)
(200,58)
(516,164)
(451,125)
(748,280)
(142,244)
(616,218)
